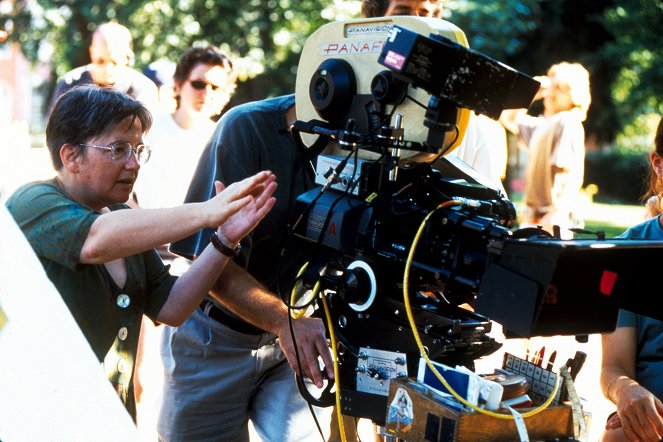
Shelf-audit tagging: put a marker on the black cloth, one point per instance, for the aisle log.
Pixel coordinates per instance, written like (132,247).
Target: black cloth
(248,139)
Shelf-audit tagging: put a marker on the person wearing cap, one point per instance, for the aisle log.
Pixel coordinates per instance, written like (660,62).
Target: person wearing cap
(111,58)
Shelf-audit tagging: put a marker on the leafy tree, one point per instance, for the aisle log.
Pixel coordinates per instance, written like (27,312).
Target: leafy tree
(60,30)
(616,40)
(532,35)
(497,28)
(263,37)
(637,55)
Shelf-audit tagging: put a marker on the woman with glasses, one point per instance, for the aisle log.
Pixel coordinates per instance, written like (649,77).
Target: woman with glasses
(99,253)
(204,81)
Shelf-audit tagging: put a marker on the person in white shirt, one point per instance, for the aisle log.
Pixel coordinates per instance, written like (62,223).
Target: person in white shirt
(204,81)
(484,148)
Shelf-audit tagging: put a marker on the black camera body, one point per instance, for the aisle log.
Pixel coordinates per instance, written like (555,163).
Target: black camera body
(363,243)
(395,215)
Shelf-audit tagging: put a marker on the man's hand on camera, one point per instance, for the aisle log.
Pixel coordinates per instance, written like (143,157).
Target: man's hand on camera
(311,343)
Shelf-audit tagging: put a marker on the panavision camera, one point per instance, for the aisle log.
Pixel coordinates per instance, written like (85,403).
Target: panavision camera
(397,227)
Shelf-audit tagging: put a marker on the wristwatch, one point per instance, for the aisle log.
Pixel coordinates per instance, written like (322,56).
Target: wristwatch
(224,249)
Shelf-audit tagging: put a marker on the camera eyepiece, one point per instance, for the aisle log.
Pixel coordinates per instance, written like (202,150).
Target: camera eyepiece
(332,87)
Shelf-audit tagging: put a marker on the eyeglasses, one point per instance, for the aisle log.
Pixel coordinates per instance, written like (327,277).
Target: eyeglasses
(200,85)
(121,151)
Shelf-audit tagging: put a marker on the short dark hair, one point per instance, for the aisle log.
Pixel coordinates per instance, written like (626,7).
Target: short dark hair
(86,111)
(209,55)
(374,8)
(378,8)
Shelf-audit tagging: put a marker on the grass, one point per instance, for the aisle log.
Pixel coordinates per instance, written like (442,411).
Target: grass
(613,219)
(610,229)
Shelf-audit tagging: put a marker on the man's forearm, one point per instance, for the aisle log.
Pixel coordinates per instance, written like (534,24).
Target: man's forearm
(243,295)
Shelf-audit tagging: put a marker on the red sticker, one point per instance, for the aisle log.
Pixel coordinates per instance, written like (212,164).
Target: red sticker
(394,60)
(608,282)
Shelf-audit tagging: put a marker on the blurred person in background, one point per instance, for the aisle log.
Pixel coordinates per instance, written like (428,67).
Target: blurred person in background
(555,144)
(111,57)
(161,73)
(203,81)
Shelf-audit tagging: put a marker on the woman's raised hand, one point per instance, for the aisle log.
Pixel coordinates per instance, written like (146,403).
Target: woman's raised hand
(238,208)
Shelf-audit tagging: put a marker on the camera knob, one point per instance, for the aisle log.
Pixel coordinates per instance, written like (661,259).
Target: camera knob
(358,286)
(355,287)
(387,89)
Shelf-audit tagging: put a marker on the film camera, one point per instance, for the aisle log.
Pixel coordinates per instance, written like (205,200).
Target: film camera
(380,103)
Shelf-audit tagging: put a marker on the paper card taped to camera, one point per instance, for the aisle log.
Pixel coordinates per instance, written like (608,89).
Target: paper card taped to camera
(462,383)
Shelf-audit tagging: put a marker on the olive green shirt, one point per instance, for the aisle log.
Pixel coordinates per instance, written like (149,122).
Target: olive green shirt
(109,316)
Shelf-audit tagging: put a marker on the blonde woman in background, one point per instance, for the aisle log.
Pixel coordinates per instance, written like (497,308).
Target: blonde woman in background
(556,146)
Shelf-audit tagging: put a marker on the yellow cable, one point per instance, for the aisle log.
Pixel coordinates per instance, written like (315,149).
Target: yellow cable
(337,394)
(298,313)
(415,332)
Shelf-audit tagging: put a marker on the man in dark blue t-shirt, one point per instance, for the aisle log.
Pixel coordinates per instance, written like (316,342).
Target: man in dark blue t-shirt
(220,370)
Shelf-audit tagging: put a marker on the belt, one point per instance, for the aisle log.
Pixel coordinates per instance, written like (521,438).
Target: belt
(229,321)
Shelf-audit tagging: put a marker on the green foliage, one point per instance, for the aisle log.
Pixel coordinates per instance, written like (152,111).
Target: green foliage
(620,176)
(263,37)
(610,228)
(61,30)
(637,136)
(638,51)
(619,41)
(496,28)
